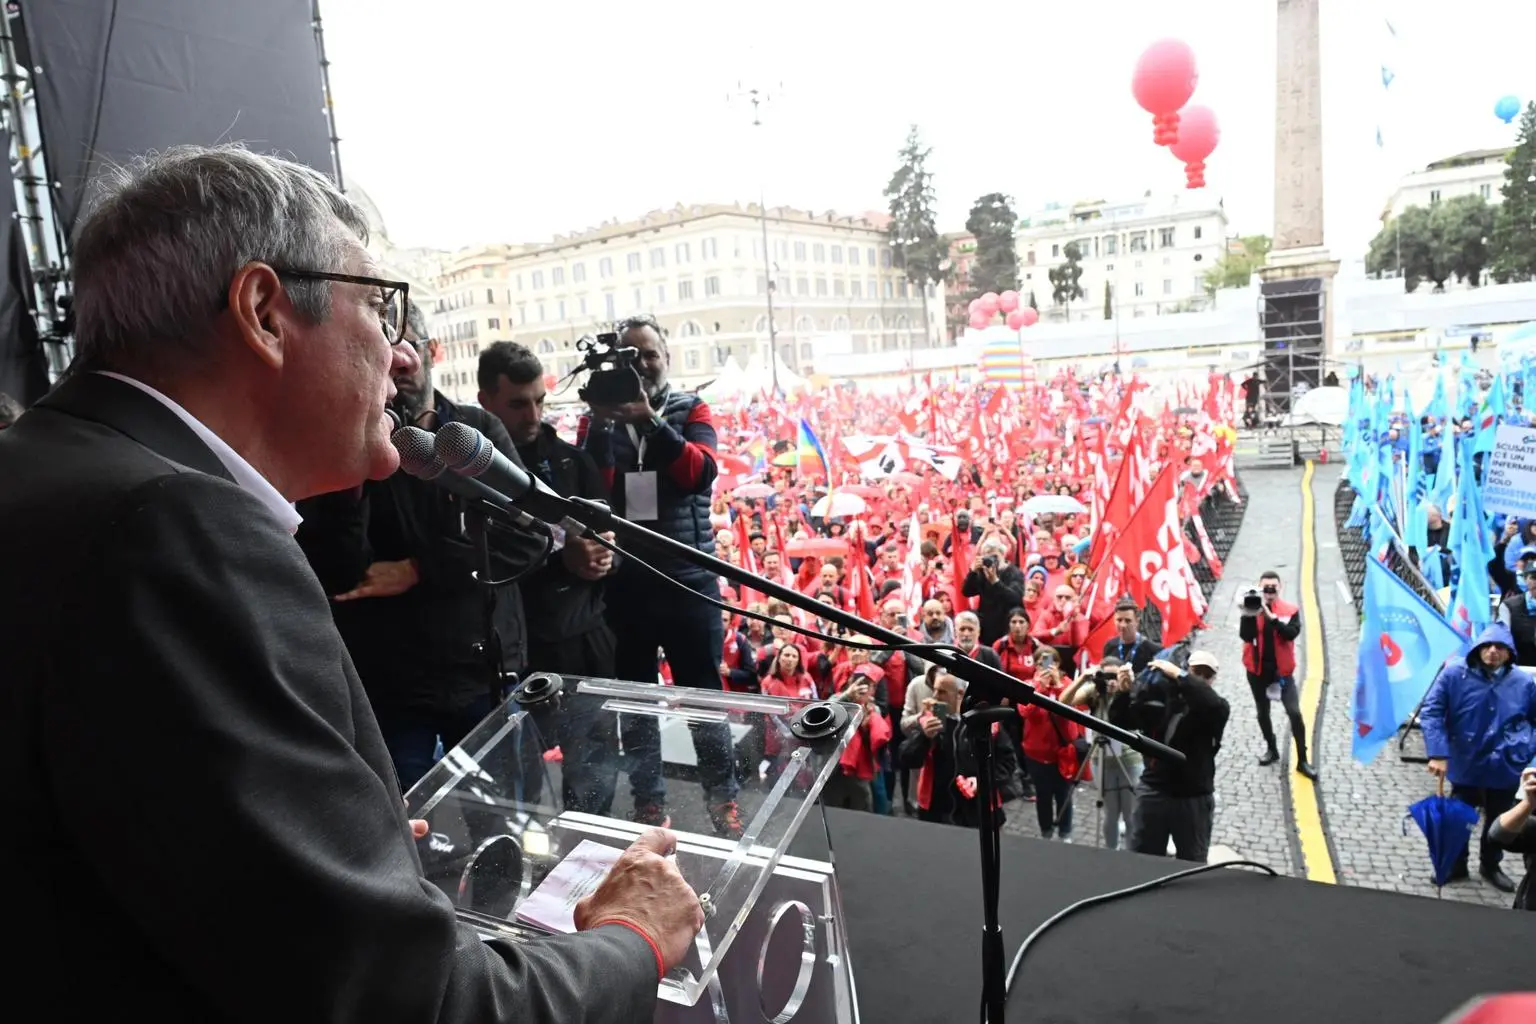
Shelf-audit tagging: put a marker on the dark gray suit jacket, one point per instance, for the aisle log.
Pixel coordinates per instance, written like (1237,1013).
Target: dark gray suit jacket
(204,822)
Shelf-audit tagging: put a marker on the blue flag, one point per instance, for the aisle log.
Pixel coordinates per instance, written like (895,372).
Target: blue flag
(1403,643)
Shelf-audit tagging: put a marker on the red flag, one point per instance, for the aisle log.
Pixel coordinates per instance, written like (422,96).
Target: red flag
(1150,554)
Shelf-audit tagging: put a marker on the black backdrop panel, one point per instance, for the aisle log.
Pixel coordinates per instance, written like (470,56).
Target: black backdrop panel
(121,77)
(23,369)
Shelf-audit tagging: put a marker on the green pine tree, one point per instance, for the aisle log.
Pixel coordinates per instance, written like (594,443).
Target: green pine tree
(914,229)
(1512,252)
(991,223)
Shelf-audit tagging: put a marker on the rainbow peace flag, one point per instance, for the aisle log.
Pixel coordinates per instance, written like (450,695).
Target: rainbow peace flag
(810,451)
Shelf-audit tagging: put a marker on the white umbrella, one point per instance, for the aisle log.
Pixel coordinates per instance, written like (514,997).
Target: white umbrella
(1320,405)
(838,504)
(752,491)
(1054,504)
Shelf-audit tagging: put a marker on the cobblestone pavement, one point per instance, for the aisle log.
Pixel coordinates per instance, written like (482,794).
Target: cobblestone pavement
(1252,803)
(1364,805)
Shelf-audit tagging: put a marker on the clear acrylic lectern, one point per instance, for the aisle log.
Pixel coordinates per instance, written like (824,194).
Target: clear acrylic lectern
(525,814)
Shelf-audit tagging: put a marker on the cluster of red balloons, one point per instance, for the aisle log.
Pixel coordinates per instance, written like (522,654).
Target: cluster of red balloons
(984,308)
(1163,83)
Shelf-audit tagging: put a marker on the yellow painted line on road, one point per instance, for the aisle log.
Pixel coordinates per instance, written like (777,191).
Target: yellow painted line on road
(1306,812)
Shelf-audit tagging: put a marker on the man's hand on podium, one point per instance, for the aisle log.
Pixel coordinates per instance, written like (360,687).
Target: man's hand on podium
(644,891)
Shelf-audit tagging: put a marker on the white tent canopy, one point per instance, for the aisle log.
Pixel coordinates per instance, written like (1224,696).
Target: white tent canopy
(732,385)
(761,377)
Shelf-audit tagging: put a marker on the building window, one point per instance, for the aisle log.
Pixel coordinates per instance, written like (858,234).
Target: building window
(837,287)
(874,289)
(691,359)
(837,254)
(494,323)
(658,258)
(802,286)
(561,307)
(519,282)
(1165,238)
(639,301)
(856,286)
(1138,241)
(1434,196)
(1109,244)
(819,252)
(634,263)
(1199,286)
(546,346)
(538,280)
(1138,289)
(782,248)
(689,329)
(890,288)
(709,249)
(762,285)
(661,295)
(821,286)
(1108,267)
(557,276)
(684,290)
(800,251)
(542,317)
(579,273)
(870,253)
(1199,232)
(711,286)
(721,355)
(490,297)
(1055,252)
(683,253)
(853,255)
(885,258)
(581,307)
(1486,191)
(1167,286)
(610,306)
(605,267)
(522,314)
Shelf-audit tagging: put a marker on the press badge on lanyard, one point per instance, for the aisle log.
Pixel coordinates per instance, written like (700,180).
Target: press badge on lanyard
(639,486)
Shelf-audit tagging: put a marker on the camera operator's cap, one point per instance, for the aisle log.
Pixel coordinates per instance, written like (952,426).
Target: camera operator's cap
(1204,659)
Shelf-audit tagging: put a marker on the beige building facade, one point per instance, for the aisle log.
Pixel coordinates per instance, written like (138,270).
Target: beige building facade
(701,271)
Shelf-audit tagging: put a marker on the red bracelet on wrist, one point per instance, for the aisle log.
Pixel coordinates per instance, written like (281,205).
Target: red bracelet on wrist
(661,965)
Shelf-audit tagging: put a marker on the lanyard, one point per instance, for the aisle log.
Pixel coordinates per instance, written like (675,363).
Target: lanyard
(639,443)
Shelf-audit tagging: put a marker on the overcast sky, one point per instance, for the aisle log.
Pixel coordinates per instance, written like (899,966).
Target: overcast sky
(507,120)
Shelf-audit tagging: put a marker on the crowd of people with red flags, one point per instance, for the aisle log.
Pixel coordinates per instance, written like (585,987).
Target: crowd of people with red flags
(1012,521)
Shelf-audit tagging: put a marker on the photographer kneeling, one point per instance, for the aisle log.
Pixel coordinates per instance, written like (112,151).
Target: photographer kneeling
(1181,710)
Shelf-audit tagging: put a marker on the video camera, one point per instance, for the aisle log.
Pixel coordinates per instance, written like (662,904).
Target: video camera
(1252,602)
(614,379)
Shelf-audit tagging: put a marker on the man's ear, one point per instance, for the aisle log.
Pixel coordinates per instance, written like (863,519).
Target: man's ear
(435,351)
(260,309)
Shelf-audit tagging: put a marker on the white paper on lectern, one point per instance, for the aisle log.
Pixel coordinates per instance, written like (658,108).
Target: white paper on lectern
(552,906)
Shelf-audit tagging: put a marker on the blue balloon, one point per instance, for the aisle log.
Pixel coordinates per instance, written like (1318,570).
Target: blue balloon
(1507,109)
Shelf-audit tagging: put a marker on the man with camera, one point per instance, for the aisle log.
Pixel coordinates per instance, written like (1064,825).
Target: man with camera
(1128,646)
(657,446)
(1268,630)
(1515,831)
(999,585)
(567,633)
(1119,766)
(1181,709)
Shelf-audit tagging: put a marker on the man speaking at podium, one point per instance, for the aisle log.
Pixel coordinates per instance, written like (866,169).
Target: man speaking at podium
(208,824)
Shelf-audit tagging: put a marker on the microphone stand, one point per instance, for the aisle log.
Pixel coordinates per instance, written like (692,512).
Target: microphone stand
(992,684)
(477,526)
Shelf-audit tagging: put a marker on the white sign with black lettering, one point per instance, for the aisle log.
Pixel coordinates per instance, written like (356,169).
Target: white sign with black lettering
(1509,472)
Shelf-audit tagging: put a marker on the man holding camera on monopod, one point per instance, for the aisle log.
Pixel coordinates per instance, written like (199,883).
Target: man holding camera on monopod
(1268,629)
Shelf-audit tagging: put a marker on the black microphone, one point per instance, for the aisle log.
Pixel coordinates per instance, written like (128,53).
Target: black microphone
(470,454)
(418,458)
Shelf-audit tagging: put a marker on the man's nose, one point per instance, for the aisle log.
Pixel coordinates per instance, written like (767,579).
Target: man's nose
(403,361)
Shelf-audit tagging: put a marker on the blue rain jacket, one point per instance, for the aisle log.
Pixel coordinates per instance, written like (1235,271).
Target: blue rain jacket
(1482,723)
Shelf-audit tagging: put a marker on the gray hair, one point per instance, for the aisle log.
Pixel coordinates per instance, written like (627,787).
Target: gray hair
(154,256)
(970,617)
(416,320)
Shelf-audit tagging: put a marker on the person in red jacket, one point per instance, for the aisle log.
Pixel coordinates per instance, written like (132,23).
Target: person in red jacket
(1016,651)
(1050,756)
(851,784)
(1268,633)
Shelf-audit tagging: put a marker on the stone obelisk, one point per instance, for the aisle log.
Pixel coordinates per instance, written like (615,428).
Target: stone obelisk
(1297,254)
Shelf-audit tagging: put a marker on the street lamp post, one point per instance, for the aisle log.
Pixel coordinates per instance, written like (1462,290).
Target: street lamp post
(757,98)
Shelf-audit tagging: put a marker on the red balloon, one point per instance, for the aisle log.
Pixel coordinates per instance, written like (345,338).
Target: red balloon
(550,380)
(1008,301)
(989,303)
(1031,316)
(1198,135)
(1015,319)
(980,319)
(974,307)
(1165,77)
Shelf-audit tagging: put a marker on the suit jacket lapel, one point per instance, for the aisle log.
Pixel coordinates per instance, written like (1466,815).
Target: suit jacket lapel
(129,411)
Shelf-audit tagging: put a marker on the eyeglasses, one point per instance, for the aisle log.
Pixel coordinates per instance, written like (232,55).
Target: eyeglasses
(393,298)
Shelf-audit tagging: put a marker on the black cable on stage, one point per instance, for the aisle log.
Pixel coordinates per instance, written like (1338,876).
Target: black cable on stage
(1061,915)
(538,563)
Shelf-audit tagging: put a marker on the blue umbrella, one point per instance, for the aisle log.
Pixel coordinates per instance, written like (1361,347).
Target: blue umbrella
(1447,824)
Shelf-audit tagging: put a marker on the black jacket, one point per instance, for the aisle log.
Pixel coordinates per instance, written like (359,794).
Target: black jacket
(1522,842)
(184,736)
(560,605)
(952,757)
(997,599)
(1188,716)
(423,649)
(1138,655)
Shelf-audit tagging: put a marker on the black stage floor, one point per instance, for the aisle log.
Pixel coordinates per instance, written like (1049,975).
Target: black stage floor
(1230,946)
